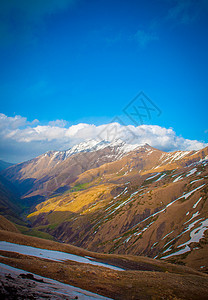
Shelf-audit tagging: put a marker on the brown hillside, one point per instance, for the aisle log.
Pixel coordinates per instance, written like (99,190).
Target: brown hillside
(7,225)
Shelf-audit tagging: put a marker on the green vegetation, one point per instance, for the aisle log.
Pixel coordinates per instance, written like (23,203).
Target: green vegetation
(79,187)
(34,232)
(76,188)
(53,226)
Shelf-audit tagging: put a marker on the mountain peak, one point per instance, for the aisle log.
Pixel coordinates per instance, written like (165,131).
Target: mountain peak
(95,145)
(87,146)
(91,145)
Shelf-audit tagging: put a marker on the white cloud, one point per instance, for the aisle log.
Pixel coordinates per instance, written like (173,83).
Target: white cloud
(22,140)
(59,123)
(11,122)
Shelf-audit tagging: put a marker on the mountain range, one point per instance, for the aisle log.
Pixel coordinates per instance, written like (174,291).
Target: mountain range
(117,198)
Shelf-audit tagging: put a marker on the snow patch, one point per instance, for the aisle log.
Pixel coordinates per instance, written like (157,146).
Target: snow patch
(167,235)
(178,178)
(195,180)
(53,287)
(152,176)
(182,251)
(191,172)
(195,205)
(193,216)
(190,193)
(160,177)
(51,254)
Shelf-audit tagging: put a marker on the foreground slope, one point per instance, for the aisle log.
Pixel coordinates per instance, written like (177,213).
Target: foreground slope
(142,278)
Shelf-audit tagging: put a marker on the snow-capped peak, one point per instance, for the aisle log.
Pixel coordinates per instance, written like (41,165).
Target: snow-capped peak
(87,146)
(94,145)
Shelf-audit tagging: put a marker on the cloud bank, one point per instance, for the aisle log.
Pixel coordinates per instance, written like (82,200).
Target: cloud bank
(22,140)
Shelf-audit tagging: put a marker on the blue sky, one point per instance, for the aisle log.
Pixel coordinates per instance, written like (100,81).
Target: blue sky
(84,61)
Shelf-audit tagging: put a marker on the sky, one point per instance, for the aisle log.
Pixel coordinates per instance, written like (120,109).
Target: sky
(70,68)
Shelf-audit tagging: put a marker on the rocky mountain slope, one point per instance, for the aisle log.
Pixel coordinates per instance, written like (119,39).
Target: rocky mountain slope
(119,198)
